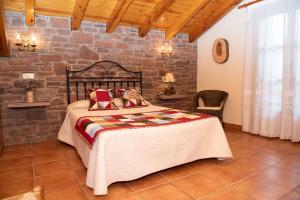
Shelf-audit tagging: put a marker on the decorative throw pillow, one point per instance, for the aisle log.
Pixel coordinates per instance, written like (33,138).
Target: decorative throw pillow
(118,102)
(131,98)
(120,93)
(90,90)
(101,99)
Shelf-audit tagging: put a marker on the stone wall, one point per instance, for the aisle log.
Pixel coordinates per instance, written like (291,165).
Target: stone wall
(57,46)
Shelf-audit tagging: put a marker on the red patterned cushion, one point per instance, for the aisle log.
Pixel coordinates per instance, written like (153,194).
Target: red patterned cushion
(90,90)
(101,99)
(120,93)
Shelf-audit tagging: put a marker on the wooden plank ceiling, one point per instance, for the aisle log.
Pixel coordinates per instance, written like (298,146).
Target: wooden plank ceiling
(192,17)
(4,49)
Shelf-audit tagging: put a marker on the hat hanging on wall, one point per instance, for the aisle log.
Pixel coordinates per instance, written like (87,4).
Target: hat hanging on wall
(220,50)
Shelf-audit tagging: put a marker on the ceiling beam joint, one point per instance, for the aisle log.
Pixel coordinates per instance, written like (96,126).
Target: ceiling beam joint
(155,15)
(218,14)
(117,15)
(78,13)
(185,18)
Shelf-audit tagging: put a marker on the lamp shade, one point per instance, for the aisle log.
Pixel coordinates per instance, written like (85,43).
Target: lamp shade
(168,78)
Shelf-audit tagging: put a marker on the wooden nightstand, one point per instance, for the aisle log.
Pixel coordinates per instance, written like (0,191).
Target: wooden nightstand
(169,97)
(171,101)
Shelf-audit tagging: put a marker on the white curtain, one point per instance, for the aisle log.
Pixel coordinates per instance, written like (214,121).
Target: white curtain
(271,98)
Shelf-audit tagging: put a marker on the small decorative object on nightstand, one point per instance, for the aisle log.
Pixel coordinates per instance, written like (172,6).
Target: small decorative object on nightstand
(169,79)
(29,86)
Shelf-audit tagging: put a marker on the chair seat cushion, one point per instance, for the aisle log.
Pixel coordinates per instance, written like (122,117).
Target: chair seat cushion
(209,108)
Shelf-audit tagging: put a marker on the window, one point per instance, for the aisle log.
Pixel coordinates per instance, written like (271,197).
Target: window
(270,61)
(296,69)
(272,70)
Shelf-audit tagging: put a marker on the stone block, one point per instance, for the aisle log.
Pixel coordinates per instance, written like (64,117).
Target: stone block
(59,22)
(50,58)
(82,38)
(87,53)
(59,69)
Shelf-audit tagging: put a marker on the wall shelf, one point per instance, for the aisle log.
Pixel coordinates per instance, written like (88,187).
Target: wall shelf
(16,105)
(170,97)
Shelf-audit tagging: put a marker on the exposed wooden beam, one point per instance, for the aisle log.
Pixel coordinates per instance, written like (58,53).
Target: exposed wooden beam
(78,13)
(116,16)
(245,5)
(155,14)
(218,14)
(29,12)
(185,18)
(4,48)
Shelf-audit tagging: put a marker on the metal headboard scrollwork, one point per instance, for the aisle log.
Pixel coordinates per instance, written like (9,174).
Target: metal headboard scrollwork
(107,74)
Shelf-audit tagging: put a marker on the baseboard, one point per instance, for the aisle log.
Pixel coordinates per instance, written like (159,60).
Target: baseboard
(235,127)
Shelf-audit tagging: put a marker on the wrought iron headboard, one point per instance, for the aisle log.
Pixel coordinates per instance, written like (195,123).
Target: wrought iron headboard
(101,74)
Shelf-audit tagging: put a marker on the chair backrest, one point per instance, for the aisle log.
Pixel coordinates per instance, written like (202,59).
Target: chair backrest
(212,98)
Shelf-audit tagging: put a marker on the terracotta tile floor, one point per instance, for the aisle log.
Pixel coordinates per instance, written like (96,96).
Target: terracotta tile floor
(262,169)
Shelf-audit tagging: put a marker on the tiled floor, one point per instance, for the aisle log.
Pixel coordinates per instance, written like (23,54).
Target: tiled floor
(262,169)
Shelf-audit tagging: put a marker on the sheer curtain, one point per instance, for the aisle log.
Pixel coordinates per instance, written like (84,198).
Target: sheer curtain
(271,104)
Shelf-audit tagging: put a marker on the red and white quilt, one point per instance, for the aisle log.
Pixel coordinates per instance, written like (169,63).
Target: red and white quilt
(91,126)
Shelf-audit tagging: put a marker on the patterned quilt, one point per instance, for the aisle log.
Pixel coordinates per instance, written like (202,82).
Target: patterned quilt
(91,126)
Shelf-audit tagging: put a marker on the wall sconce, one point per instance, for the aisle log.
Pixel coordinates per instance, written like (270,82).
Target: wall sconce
(166,50)
(26,42)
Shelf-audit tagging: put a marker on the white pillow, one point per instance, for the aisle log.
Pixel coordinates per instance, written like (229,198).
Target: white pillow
(79,104)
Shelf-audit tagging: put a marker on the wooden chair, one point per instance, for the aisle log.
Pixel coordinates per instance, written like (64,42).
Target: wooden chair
(214,102)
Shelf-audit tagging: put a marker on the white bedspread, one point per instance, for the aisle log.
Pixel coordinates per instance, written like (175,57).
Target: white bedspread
(128,154)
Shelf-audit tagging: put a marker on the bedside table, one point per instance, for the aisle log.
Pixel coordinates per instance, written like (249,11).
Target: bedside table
(169,97)
(17,105)
(175,101)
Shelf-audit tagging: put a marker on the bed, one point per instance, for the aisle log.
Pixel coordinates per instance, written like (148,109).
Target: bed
(131,153)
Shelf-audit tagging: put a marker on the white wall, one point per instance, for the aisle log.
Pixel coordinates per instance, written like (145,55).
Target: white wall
(227,76)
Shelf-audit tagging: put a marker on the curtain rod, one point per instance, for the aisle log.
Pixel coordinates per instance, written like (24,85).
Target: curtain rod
(249,4)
